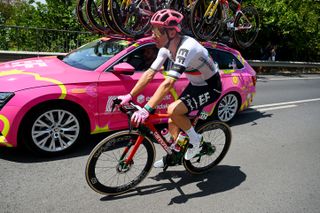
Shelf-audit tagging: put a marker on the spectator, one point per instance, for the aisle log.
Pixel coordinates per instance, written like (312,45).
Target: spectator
(273,53)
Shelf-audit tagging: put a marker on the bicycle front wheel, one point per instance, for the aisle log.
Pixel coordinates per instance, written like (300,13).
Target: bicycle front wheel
(108,172)
(205,28)
(216,143)
(82,16)
(246,27)
(134,20)
(94,13)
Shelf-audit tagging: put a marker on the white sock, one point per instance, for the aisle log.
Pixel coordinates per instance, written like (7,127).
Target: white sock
(193,136)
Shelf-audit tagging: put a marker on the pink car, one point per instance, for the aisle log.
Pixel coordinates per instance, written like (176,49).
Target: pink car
(50,103)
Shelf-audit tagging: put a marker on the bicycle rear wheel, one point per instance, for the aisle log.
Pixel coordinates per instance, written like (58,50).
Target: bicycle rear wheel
(204,28)
(133,21)
(246,27)
(82,16)
(216,143)
(106,170)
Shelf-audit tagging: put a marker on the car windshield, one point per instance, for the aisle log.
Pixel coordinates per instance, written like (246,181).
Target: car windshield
(94,54)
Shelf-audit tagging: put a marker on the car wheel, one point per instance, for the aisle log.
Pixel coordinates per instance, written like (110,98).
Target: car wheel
(53,131)
(227,107)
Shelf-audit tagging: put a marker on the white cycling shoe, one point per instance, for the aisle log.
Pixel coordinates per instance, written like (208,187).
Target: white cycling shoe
(159,164)
(193,150)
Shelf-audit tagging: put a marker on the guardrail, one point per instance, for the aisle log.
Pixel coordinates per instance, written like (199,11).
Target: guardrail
(290,64)
(13,55)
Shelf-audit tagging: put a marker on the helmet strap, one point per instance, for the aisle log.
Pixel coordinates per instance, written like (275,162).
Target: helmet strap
(169,40)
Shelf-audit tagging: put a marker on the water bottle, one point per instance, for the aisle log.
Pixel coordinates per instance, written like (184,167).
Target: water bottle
(167,136)
(180,142)
(182,139)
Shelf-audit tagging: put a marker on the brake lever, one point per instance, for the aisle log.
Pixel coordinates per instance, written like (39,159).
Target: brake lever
(115,102)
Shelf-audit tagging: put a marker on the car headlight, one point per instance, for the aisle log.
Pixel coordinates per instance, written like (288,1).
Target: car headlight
(5,97)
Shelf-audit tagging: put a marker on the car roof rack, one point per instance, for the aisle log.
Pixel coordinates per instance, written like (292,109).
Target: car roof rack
(112,35)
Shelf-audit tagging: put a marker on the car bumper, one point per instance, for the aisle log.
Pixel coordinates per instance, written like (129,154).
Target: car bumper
(8,128)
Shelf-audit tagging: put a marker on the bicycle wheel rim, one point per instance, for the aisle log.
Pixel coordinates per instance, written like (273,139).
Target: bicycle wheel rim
(245,38)
(132,24)
(83,20)
(218,134)
(106,14)
(95,16)
(103,171)
(204,29)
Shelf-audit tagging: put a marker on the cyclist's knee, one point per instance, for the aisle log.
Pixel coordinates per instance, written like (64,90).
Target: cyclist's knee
(177,108)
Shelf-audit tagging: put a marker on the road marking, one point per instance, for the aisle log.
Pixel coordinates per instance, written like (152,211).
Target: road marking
(285,103)
(275,106)
(291,78)
(279,107)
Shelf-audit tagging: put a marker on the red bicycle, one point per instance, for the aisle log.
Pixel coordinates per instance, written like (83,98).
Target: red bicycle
(122,160)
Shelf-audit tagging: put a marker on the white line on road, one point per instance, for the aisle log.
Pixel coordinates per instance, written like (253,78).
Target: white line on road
(275,106)
(279,107)
(284,103)
(293,78)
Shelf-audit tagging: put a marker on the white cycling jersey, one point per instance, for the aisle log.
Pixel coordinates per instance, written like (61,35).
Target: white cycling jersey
(192,59)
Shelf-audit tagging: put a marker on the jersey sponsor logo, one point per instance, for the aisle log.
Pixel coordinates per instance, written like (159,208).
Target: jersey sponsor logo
(196,102)
(181,55)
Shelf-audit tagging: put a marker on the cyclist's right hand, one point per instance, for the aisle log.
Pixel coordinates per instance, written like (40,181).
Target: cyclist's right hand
(125,98)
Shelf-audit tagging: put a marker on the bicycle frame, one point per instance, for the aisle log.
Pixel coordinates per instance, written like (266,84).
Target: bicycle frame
(148,123)
(211,9)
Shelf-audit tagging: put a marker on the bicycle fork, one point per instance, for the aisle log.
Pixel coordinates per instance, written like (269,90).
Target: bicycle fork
(124,162)
(211,9)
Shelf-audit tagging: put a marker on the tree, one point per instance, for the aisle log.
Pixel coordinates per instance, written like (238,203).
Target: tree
(291,25)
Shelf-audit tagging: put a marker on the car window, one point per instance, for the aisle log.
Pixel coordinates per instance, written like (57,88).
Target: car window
(94,54)
(225,59)
(142,57)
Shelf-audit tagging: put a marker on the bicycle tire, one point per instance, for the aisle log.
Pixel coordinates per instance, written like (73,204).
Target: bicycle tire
(100,168)
(216,135)
(133,23)
(95,16)
(82,18)
(106,14)
(251,35)
(204,29)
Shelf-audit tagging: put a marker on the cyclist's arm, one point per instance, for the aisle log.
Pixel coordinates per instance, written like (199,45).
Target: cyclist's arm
(146,77)
(161,92)
(164,88)
(149,74)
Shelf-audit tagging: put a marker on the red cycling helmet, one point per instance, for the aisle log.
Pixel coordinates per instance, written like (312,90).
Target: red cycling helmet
(167,18)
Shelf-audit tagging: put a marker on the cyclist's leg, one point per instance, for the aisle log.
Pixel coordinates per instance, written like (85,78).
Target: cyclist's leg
(177,112)
(193,98)
(174,129)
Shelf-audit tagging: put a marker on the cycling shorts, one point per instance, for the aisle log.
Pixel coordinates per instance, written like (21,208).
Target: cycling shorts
(197,97)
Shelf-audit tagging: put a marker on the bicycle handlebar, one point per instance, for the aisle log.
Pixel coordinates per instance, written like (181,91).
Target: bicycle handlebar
(128,109)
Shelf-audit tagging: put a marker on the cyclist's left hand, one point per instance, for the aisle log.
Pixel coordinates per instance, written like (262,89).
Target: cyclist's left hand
(140,116)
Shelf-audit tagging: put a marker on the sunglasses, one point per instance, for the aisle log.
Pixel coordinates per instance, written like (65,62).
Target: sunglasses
(156,32)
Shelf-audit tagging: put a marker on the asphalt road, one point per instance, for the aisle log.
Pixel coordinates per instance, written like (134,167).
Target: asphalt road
(273,166)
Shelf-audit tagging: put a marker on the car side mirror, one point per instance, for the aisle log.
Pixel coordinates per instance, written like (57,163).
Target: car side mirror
(123,68)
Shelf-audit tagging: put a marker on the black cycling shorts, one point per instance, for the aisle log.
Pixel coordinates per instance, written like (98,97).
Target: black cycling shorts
(197,97)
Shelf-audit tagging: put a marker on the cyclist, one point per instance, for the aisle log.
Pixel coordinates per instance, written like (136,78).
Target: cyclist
(189,57)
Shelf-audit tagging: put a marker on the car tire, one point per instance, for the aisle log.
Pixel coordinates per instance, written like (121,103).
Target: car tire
(227,107)
(52,131)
